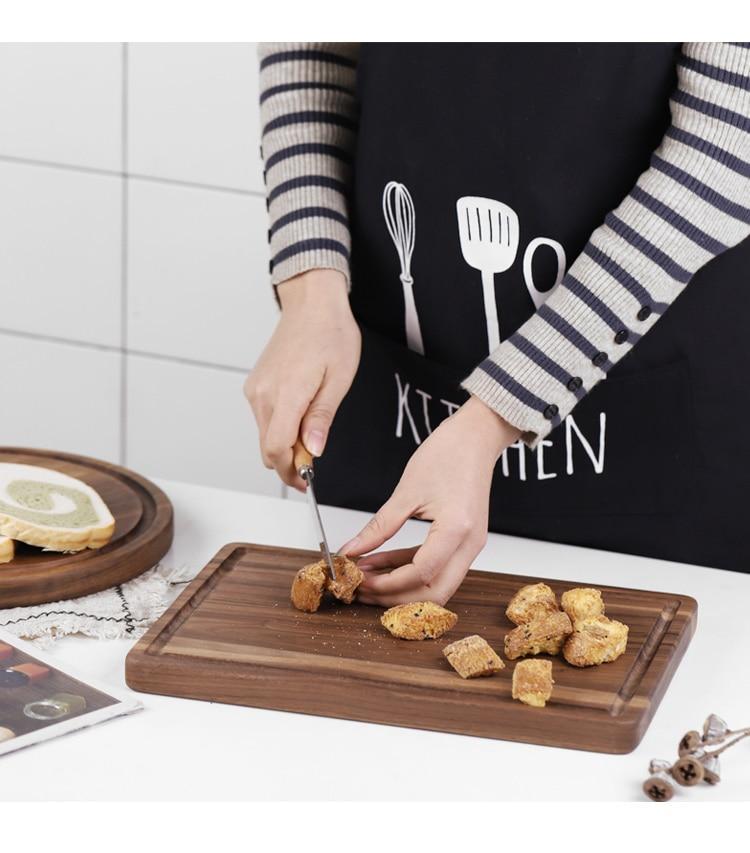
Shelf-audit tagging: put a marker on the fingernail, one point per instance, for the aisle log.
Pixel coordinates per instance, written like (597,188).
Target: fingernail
(315,441)
(365,566)
(349,546)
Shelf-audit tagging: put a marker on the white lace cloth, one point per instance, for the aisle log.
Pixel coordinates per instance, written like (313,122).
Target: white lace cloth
(124,611)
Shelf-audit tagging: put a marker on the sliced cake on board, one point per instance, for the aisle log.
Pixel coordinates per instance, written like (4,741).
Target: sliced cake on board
(49,509)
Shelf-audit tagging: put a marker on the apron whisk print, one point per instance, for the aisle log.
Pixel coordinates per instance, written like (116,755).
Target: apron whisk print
(398,210)
(549,157)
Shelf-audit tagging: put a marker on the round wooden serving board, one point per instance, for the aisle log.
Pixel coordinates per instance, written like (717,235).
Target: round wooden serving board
(143,534)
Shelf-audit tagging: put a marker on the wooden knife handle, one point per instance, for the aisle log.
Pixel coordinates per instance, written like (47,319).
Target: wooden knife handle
(302,457)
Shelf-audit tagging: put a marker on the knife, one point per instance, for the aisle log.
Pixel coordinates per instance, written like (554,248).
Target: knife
(303,464)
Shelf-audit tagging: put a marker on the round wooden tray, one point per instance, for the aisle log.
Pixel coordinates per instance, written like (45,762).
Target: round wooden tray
(143,534)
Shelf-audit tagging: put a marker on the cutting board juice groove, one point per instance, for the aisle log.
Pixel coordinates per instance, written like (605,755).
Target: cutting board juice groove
(232,636)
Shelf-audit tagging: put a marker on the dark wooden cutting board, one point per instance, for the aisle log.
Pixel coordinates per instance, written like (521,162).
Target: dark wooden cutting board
(143,534)
(233,636)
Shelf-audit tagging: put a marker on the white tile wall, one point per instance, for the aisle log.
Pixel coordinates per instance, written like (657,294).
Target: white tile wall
(60,396)
(198,274)
(190,263)
(193,423)
(60,238)
(193,113)
(62,103)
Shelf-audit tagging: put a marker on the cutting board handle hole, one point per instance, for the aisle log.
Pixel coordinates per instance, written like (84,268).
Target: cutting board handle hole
(645,656)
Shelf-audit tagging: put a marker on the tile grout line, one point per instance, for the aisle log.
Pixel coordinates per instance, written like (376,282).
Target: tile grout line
(124,262)
(156,356)
(136,176)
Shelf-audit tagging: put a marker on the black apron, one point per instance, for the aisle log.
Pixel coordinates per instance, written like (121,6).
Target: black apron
(539,141)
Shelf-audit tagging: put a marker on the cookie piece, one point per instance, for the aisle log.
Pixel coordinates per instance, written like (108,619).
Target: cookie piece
(595,641)
(308,586)
(529,602)
(420,620)
(543,635)
(532,682)
(582,603)
(473,656)
(348,578)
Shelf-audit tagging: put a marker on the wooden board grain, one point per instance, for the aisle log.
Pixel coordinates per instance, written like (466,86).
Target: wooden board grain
(143,534)
(233,636)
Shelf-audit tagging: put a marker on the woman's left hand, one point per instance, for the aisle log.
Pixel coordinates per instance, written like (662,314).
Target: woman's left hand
(447,480)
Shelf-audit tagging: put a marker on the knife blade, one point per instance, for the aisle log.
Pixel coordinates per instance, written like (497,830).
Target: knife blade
(303,463)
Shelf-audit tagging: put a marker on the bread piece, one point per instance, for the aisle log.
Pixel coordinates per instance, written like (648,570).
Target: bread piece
(348,578)
(531,601)
(51,510)
(420,620)
(582,603)
(595,641)
(473,656)
(308,586)
(7,550)
(544,635)
(532,682)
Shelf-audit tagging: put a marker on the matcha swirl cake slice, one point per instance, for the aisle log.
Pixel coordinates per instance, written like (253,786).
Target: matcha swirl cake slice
(49,509)
(7,550)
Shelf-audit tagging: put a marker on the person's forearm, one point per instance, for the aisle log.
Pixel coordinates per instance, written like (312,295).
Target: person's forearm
(692,204)
(309,120)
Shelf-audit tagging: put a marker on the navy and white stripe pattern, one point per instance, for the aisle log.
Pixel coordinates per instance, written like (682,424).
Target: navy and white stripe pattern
(309,120)
(692,204)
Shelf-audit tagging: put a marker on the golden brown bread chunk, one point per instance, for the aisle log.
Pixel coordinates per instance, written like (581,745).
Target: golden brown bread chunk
(348,578)
(473,656)
(532,682)
(543,635)
(529,602)
(594,641)
(312,580)
(308,586)
(582,603)
(420,620)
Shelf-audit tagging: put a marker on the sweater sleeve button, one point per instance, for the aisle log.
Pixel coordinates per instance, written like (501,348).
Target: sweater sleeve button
(574,383)
(644,313)
(550,411)
(599,359)
(621,336)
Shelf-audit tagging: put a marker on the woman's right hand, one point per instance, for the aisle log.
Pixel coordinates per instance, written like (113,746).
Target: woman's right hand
(305,369)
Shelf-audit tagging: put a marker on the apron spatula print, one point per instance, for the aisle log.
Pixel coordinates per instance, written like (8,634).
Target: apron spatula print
(489,234)
(489,242)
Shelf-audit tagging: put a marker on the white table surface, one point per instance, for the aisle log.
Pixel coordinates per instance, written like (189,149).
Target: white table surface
(180,749)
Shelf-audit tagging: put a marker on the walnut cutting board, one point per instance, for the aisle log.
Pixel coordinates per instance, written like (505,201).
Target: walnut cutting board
(143,534)
(233,636)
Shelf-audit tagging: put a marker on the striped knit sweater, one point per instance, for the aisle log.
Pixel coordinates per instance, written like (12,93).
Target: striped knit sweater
(691,204)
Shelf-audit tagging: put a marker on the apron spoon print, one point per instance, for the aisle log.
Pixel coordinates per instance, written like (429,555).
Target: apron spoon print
(489,242)
(539,297)
(398,210)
